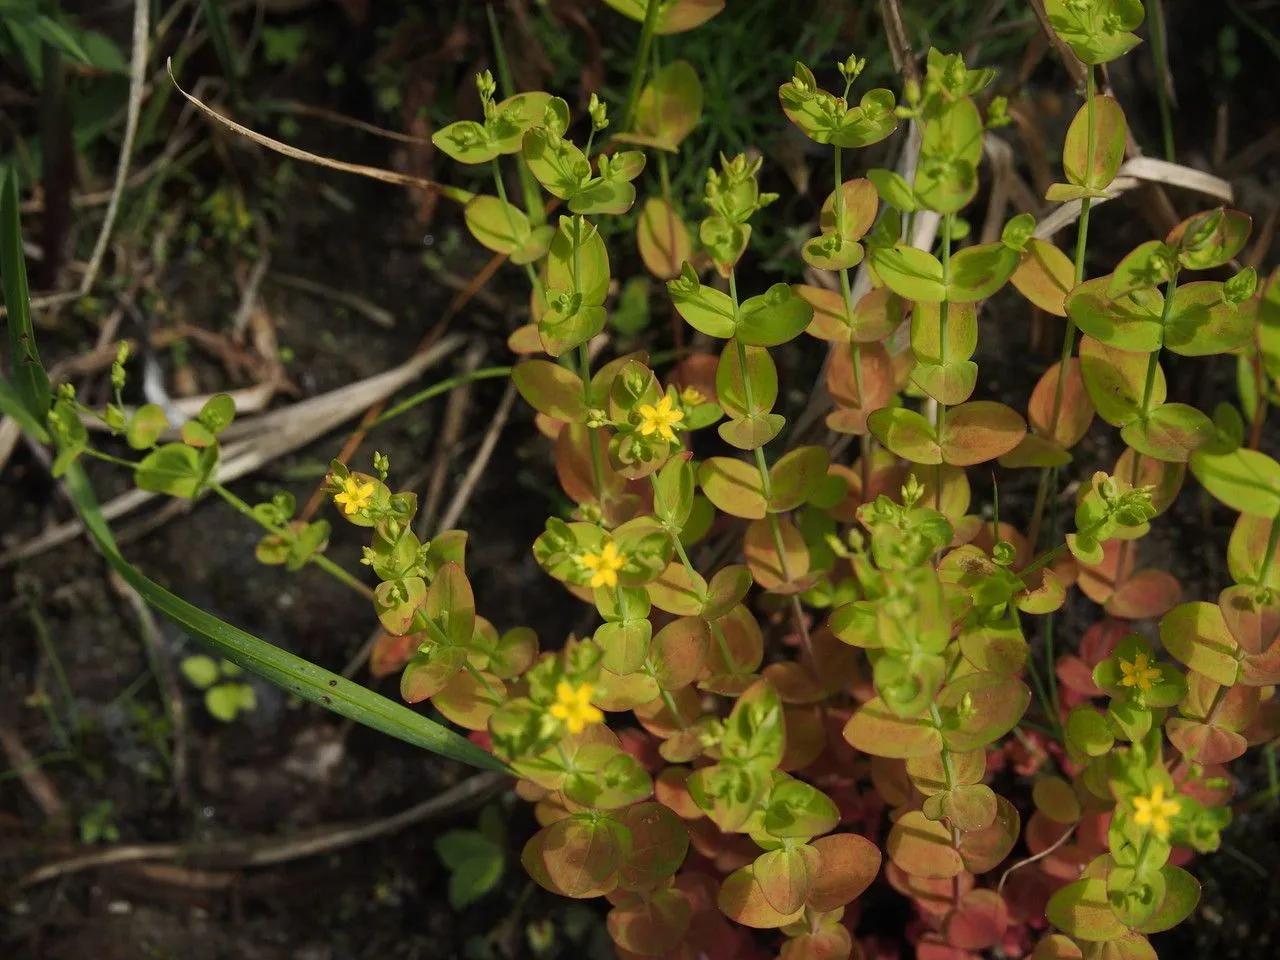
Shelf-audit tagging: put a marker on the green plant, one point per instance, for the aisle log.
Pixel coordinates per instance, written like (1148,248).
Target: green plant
(475,859)
(917,676)
(98,824)
(225,695)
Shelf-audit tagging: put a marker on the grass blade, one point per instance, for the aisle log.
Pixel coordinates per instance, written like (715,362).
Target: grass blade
(30,382)
(286,670)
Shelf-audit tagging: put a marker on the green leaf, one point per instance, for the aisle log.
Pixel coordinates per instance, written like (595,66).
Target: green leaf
(797,811)
(176,469)
(950,148)
(773,317)
(893,189)
(1095,170)
(30,381)
(1132,322)
(475,864)
(1083,910)
(910,273)
(795,476)
(978,272)
(498,225)
(1203,322)
(704,308)
(555,162)
(668,109)
(906,434)
(291,673)
(731,385)
(1171,432)
(226,701)
(1245,480)
(200,671)
(466,142)
(144,429)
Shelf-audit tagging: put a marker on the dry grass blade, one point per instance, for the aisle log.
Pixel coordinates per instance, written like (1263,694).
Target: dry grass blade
(1136,172)
(374,173)
(320,113)
(375,314)
(266,851)
(41,788)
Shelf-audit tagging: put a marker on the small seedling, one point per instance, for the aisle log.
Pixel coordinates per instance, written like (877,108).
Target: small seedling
(475,859)
(225,695)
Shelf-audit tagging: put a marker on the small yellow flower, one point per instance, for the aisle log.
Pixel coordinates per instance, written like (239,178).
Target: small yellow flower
(660,419)
(1154,811)
(573,707)
(692,396)
(354,495)
(604,566)
(1140,673)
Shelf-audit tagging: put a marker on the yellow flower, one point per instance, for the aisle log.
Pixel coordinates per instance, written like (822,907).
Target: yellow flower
(1140,673)
(692,396)
(604,566)
(660,419)
(573,707)
(354,495)
(1154,811)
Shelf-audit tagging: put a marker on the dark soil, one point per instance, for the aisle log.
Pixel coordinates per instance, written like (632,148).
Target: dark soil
(285,768)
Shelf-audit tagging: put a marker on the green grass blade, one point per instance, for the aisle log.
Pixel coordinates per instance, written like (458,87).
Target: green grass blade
(286,670)
(30,382)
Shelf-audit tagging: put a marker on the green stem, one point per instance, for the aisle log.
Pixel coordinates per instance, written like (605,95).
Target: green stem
(444,386)
(108,458)
(638,71)
(319,559)
(528,185)
(511,225)
(593,433)
(1273,540)
(674,535)
(944,309)
(1048,478)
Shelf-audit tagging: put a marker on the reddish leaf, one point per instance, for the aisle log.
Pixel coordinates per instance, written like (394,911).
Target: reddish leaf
(979,431)
(978,922)
(986,849)
(576,858)
(1203,742)
(922,847)
(877,730)
(1148,594)
(650,925)
(847,865)
(662,239)
(659,842)
(741,899)
(1075,412)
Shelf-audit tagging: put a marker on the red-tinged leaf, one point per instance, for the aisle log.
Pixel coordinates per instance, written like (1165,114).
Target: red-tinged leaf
(575,467)
(727,588)
(678,652)
(1261,669)
(877,730)
(1035,451)
(733,486)
(425,677)
(785,573)
(1075,411)
(794,682)
(1234,711)
(978,921)
(550,388)
(1203,742)
(678,591)
(1171,432)
(390,653)
(950,384)
(1197,636)
(877,315)
(979,431)
(1057,947)
(656,716)
(672,791)
(786,875)
(829,943)
(806,736)
(930,774)
(1164,477)
(737,646)
(1082,910)
(470,699)
(996,703)
(854,405)
(524,340)
(741,899)
(577,858)
(1182,893)
(848,863)
(906,434)
(985,850)
(922,847)
(1045,276)
(1247,548)
(662,239)
(659,842)
(1148,594)
(1252,617)
(1116,381)
(1215,237)
(650,925)
(1057,800)
(615,693)
(1094,146)
(795,477)
(1098,582)
(931,946)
